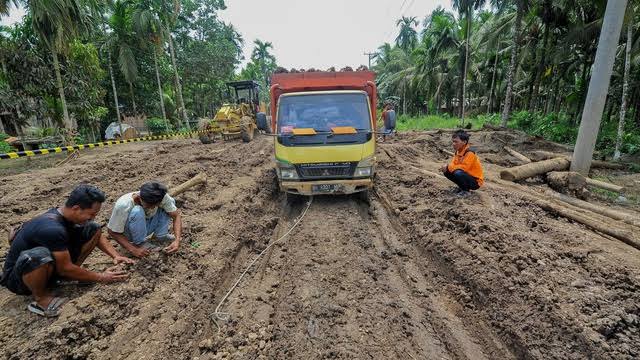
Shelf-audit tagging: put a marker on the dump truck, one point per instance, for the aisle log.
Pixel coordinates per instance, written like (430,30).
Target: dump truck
(324,131)
(240,118)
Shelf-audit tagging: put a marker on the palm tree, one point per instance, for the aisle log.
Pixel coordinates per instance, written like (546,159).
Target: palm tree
(4,6)
(465,9)
(264,58)
(121,41)
(407,37)
(150,32)
(625,87)
(57,23)
(521,8)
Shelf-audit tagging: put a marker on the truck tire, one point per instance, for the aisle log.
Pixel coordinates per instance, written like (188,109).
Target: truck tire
(206,139)
(261,121)
(247,132)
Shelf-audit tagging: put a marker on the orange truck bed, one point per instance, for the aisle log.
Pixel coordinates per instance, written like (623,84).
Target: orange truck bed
(323,81)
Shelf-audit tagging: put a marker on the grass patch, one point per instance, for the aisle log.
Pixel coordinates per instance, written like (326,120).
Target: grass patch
(432,122)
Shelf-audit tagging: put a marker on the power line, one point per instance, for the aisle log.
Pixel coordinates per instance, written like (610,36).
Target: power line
(371,56)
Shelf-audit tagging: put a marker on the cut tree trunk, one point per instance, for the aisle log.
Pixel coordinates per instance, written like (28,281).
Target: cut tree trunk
(466,66)
(624,235)
(517,155)
(566,181)
(133,99)
(544,155)
(196,180)
(617,215)
(537,168)
(605,185)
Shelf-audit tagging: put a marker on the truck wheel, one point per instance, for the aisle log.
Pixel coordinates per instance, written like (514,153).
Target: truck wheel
(206,139)
(364,196)
(261,121)
(247,133)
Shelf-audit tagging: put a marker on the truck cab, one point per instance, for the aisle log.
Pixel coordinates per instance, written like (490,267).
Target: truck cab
(324,125)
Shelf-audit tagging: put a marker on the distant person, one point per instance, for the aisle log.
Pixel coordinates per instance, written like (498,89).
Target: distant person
(388,120)
(144,215)
(54,245)
(464,169)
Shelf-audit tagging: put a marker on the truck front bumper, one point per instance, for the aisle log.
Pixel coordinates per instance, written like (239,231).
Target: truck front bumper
(323,187)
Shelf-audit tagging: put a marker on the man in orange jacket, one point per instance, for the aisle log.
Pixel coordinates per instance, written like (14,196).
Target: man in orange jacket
(464,169)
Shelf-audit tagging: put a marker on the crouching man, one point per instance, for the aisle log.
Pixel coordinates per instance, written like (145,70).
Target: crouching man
(54,245)
(464,169)
(138,217)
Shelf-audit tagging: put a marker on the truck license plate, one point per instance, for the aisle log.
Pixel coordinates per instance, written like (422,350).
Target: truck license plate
(324,188)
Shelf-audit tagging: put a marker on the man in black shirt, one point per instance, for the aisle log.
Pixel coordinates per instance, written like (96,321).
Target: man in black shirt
(57,243)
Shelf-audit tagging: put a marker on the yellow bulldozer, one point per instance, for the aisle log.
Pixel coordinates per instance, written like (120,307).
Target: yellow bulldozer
(241,118)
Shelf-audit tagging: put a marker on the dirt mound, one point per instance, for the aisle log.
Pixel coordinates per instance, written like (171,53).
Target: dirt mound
(417,273)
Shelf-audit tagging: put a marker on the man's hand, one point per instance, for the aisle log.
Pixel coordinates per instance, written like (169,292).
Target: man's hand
(119,259)
(173,247)
(139,252)
(111,276)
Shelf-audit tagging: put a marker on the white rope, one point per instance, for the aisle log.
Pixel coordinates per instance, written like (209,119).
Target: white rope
(225,316)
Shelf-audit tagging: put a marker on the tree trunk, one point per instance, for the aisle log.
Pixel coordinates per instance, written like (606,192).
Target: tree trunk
(598,86)
(164,113)
(605,185)
(133,99)
(614,214)
(541,66)
(493,79)
(506,112)
(68,124)
(566,181)
(466,64)
(537,168)
(523,159)
(183,110)
(625,91)
(533,76)
(115,95)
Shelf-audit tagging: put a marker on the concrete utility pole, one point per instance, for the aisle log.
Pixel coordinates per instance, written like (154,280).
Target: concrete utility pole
(598,86)
(371,56)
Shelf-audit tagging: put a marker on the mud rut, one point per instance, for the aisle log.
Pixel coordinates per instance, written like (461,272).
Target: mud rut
(414,274)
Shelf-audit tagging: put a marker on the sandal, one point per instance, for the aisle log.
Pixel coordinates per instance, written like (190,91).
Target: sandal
(53,309)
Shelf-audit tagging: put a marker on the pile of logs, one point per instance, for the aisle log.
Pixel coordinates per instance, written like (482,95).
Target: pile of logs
(555,169)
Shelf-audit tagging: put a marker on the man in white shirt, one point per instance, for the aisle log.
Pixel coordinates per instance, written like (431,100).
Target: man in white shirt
(138,215)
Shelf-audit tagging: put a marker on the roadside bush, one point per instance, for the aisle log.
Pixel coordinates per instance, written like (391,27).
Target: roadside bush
(157,126)
(556,127)
(4,146)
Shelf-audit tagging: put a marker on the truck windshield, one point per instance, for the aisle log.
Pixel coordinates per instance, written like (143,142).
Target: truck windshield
(322,112)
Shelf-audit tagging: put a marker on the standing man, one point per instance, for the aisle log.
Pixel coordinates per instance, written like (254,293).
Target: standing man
(464,169)
(57,243)
(388,120)
(138,215)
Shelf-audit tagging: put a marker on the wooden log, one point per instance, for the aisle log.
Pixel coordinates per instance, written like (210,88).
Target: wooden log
(447,152)
(517,155)
(624,235)
(605,185)
(544,155)
(566,181)
(536,168)
(614,214)
(196,180)
(593,220)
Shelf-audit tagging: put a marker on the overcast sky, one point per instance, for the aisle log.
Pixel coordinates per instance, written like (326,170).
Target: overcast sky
(316,33)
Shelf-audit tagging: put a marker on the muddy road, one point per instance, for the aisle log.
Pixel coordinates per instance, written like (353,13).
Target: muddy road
(413,273)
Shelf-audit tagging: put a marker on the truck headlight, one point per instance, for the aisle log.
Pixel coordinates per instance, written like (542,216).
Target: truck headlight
(365,167)
(288,173)
(363,171)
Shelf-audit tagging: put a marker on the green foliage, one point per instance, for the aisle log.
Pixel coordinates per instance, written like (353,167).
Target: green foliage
(555,127)
(47,146)
(429,122)
(157,126)
(4,146)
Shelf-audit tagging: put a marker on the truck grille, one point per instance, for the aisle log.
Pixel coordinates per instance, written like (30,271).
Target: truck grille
(326,171)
